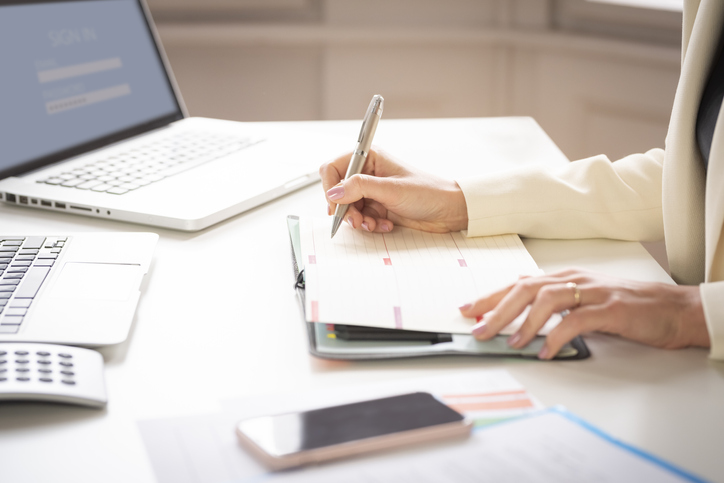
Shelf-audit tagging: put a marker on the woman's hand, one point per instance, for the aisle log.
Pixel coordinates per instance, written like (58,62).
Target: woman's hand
(655,314)
(387,193)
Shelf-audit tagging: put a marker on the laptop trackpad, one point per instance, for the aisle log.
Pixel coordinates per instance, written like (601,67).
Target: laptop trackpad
(96,281)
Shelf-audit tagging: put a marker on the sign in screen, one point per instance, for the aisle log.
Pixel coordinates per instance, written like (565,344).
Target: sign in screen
(73,72)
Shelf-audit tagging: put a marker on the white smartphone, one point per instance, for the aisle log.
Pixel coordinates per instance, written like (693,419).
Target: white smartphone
(295,439)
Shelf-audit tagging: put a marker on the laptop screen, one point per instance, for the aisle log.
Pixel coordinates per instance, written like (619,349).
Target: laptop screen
(75,76)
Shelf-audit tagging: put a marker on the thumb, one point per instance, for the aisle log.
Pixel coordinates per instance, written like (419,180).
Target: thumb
(362,186)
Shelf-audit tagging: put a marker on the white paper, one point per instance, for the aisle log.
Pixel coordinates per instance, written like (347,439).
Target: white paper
(548,447)
(406,279)
(204,448)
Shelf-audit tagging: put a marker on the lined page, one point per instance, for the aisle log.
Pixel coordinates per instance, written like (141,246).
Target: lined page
(406,279)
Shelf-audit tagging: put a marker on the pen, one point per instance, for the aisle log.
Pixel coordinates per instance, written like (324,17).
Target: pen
(348,332)
(361,150)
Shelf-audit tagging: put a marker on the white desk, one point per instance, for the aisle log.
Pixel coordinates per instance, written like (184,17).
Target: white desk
(218,320)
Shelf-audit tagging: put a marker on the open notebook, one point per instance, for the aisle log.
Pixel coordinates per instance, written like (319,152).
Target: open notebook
(406,279)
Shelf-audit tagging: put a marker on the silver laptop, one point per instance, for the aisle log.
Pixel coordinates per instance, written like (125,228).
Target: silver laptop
(92,123)
(79,289)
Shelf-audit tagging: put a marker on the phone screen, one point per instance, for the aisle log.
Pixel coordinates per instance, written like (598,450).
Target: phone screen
(295,432)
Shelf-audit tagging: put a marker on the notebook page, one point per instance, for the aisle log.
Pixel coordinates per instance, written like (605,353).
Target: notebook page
(406,279)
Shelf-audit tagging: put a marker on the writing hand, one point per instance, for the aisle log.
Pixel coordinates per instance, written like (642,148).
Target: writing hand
(388,193)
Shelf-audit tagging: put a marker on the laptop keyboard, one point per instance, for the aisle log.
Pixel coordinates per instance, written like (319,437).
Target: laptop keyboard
(141,166)
(24,264)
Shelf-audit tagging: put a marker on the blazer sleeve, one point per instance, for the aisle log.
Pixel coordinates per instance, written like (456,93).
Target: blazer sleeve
(589,198)
(712,299)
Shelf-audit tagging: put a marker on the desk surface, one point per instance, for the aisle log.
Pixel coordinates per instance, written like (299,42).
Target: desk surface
(218,319)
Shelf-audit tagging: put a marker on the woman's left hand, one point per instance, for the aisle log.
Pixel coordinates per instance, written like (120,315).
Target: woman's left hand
(656,314)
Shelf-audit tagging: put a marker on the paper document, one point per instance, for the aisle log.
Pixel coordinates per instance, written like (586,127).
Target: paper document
(406,279)
(552,446)
(204,448)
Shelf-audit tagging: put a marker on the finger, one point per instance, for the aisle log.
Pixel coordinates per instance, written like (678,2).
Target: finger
(368,223)
(332,173)
(513,304)
(484,304)
(353,217)
(359,186)
(549,300)
(578,321)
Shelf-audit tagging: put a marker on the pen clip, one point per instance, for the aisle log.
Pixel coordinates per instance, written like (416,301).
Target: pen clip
(300,280)
(374,105)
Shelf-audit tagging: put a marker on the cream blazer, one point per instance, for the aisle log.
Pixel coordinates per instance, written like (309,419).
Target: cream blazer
(645,197)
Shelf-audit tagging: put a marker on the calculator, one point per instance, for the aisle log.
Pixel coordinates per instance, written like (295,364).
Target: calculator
(51,373)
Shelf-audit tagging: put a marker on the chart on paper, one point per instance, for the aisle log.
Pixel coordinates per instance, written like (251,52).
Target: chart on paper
(406,279)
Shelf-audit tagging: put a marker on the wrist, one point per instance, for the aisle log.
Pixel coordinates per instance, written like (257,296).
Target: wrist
(458,219)
(692,323)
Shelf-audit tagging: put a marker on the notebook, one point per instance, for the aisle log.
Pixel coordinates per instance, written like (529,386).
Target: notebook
(323,336)
(77,289)
(92,123)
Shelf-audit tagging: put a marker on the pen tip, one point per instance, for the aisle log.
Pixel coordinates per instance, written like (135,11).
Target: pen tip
(335,225)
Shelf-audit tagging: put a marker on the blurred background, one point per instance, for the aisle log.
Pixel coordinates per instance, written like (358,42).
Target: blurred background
(599,76)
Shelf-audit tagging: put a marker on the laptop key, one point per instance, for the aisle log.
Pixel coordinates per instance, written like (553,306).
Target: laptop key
(9,281)
(9,329)
(117,190)
(34,242)
(32,282)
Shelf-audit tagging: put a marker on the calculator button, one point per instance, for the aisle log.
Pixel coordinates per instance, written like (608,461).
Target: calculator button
(22,379)
(43,353)
(66,364)
(70,383)
(2,353)
(22,361)
(3,379)
(44,362)
(21,353)
(46,379)
(65,356)
(45,371)
(22,369)
(3,361)
(68,373)
(3,370)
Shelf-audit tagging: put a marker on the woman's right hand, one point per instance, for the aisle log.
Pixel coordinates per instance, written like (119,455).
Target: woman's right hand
(388,193)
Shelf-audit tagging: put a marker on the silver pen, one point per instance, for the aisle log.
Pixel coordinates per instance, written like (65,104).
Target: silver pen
(361,150)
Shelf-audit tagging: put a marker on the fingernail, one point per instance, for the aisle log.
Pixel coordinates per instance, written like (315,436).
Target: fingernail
(543,354)
(349,220)
(335,193)
(514,339)
(365,226)
(385,227)
(465,307)
(480,328)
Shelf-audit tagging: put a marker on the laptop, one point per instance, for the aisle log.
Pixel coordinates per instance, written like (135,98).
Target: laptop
(76,289)
(92,123)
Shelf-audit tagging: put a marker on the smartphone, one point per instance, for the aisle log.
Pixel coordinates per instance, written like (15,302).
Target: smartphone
(296,439)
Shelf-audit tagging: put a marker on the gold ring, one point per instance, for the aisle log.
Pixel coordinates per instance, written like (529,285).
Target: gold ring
(576,294)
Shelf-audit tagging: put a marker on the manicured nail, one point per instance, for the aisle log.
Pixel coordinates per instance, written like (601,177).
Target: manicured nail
(514,339)
(385,227)
(349,220)
(543,354)
(465,307)
(365,226)
(335,193)
(480,328)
